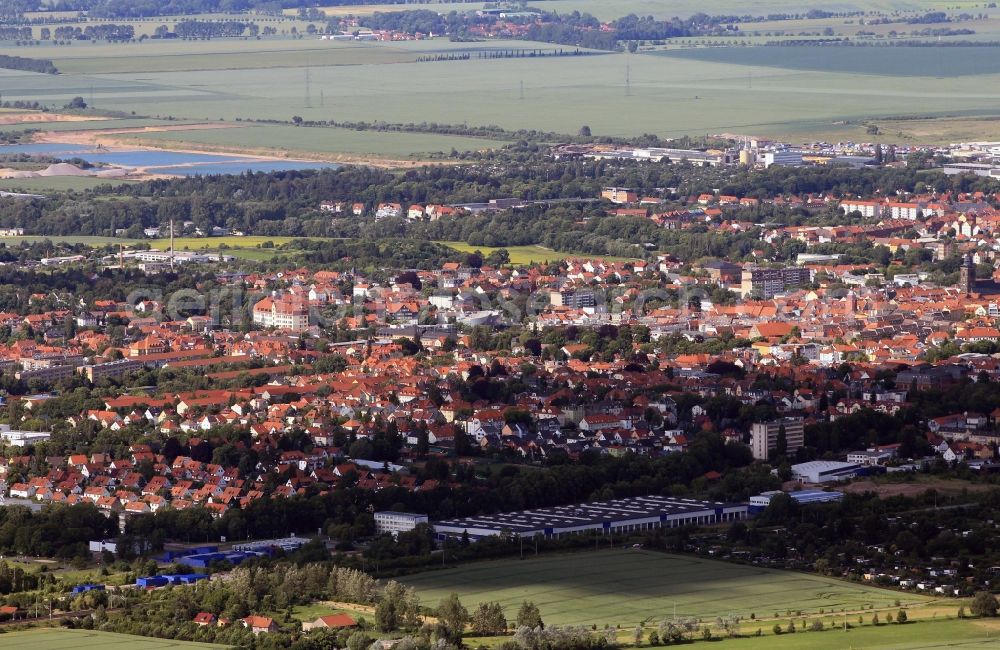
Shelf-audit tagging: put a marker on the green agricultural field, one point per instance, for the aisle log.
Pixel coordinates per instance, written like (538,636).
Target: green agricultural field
(527,254)
(219,54)
(669,95)
(247,248)
(890,61)
(925,635)
(59,639)
(213,243)
(789,92)
(629,586)
(314,140)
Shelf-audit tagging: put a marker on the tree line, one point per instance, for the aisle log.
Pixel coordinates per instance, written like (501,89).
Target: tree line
(44,66)
(212,29)
(12,33)
(98,32)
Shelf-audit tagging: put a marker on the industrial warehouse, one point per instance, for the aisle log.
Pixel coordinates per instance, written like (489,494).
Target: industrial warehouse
(609,517)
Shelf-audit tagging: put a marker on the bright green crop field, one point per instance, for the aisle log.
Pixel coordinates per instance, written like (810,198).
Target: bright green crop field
(60,639)
(630,586)
(248,248)
(531,254)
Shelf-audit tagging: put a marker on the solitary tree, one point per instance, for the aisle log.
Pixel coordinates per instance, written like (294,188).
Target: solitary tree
(984,604)
(488,620)
(474,260)
(453,615)
(529,616)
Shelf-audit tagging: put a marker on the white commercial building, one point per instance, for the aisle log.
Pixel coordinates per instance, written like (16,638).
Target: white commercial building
(395,523)
(22,438)
(782,158)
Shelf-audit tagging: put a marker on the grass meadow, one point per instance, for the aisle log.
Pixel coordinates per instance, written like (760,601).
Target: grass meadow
(527,254)
(61,639)
(925,635)
(628,587)
(248,248)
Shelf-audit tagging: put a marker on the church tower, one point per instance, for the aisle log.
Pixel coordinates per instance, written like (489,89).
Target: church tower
(967,275)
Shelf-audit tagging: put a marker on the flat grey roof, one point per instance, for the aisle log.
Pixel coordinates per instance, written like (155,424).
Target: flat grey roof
(584,514)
